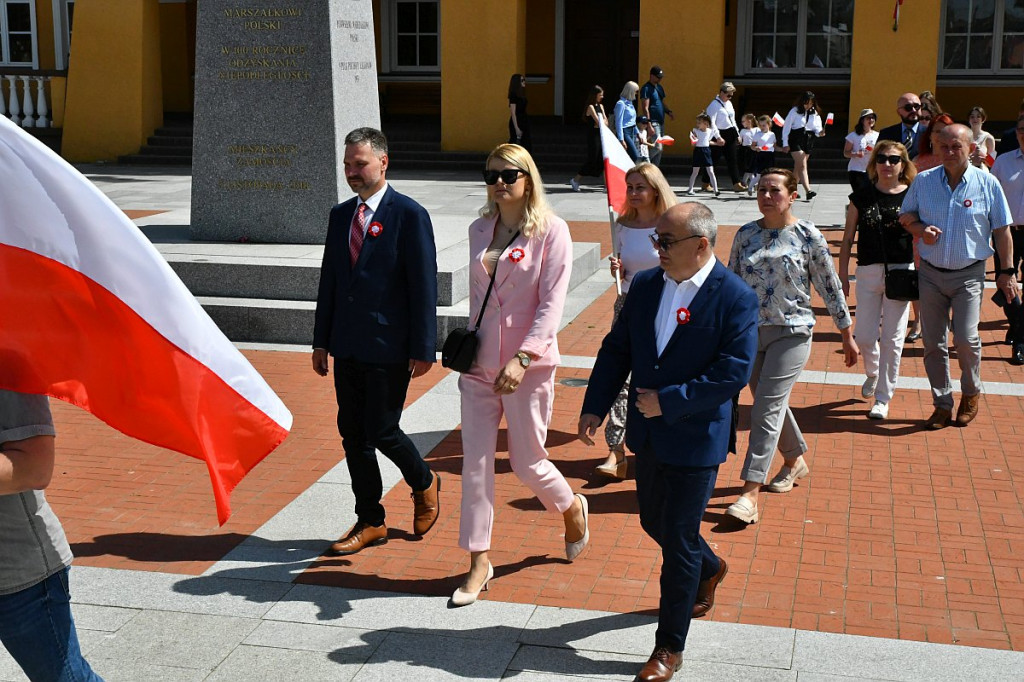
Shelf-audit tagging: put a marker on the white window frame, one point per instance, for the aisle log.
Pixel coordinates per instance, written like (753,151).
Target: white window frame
(4,35)
(744,46)
(997,47)
(389,38)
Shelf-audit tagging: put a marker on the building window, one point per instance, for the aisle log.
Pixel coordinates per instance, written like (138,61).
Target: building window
(414,30)
(796,36)
(983,36)
(17,33)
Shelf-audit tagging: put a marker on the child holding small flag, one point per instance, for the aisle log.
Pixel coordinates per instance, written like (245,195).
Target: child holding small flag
(763,146)
(703,136)
(745,154)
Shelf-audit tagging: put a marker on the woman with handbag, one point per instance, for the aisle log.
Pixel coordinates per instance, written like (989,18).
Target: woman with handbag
(520,261)
(886,278)
(781,257)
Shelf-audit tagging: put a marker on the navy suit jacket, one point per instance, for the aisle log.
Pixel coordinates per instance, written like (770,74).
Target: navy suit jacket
(706,363)
(895,133)
(383,310)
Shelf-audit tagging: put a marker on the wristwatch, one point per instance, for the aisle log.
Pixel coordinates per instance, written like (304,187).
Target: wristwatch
(1007,271)
(524,359)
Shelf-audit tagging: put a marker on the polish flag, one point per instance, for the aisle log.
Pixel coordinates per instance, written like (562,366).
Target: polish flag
(616,164)
(693,137)
(93,315)
(830,119)
(778,120)
(666,140)
(990,159)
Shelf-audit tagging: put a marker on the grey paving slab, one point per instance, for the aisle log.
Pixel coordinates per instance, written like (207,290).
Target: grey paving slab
(414,656)
(259,664)
(104,618)
(578,663)
(889,659)
(9,670)
(178,640)
(373,610)
(134,671)
(343,642)
(818,677)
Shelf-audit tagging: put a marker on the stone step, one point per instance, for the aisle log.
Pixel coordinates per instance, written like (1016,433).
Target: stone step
(156,159)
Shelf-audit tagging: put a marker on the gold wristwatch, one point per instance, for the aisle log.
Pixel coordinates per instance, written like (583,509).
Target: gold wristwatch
(524,359)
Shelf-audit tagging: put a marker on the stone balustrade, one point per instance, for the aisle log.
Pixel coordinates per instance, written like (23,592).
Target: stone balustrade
(25,97)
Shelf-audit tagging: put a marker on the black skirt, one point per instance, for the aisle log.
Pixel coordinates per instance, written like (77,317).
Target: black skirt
(702,157)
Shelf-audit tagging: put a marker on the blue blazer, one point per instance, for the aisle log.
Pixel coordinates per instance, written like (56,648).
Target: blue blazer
(895,134)
(706,363)
(383,310)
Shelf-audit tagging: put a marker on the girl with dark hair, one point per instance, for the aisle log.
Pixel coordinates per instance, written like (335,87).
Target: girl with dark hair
(518,122)
(859,144)
(803,124)
(593,112)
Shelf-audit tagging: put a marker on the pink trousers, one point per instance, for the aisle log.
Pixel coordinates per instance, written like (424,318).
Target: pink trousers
(527,414)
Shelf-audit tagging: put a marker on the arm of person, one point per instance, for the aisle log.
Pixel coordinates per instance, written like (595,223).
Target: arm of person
(846,246)
(848,150)
(619,113)
(592,114)
(553,286)
(421,269)
(1003,242)
(825,280)
(26,464)
(787,126)
(645,104)
(515,122)
(911,220)
(324,316)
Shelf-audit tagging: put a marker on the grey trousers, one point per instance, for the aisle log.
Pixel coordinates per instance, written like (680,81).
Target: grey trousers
(960,292)
(782,353)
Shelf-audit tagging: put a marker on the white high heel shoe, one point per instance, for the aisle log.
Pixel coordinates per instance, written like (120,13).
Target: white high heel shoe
(463,597)
(573,549)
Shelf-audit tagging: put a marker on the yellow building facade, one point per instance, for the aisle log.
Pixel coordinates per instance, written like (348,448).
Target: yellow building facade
(109,70)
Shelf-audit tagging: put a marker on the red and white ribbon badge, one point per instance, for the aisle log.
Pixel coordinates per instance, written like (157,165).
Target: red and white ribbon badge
(682,315)
(968,203)
(516,255)
(375,230)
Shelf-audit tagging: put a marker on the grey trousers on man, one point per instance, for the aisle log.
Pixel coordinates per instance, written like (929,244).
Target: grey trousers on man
(782,353)
(959,291)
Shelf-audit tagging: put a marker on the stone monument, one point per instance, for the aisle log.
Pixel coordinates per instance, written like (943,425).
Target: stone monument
(279,83)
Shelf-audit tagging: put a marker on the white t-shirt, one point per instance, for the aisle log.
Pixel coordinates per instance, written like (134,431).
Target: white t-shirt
(861,143)
(636,252)
(704,137)
(642,149)
(765,141)
(747,137)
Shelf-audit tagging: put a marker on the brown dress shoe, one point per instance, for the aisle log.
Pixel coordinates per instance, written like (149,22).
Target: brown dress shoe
(939,419)
(968,409)
(426,507)
(362,535)
(661,666)
(706,590)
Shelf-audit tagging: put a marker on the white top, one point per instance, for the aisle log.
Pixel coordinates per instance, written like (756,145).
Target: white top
(980,140)
(704,137)
(1009,171)
(747,136)
(861,143)
(641,148)
(722,114)
(765,141)
(675,296)
(797,120)
(635,251)
(371,207)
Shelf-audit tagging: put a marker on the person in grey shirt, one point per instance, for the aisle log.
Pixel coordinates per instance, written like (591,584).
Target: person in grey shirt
(36,626)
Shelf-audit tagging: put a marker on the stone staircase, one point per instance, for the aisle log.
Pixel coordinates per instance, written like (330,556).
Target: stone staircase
(169,145)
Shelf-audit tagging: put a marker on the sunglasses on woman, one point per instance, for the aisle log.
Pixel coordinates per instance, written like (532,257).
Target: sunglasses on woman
(891,160)
(509,176)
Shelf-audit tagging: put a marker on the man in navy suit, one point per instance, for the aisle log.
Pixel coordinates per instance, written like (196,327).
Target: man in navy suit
(909,129)
(376,314)
(688,334)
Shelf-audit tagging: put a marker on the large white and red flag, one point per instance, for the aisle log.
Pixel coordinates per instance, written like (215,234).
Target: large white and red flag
(90,313)
(616,163)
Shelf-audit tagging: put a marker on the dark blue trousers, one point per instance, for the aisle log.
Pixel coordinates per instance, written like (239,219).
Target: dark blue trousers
(672,503)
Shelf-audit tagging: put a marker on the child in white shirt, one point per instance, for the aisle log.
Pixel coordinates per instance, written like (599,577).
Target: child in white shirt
(703,136)
(645,138)
(763,145)
(745,154)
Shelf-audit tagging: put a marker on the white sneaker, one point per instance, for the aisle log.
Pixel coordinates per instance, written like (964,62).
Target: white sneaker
(575,185)
(868,389)
(879,410)
(690,193)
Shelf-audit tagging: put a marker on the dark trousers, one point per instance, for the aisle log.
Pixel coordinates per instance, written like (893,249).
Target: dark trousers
(672,502)
(1014,310)
(370,402)
(730,150)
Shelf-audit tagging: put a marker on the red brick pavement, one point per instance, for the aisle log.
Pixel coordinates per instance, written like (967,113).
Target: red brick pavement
(896,532)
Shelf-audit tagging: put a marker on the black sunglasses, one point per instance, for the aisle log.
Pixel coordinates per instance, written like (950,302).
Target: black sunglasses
(911,107)
(892,160)
(509,176)
(665,244)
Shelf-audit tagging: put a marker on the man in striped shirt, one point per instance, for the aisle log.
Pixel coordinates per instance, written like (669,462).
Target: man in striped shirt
(956,210)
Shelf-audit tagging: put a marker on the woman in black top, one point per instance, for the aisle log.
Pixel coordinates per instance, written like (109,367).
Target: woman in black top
(873,217)
(593,113)
(518,122)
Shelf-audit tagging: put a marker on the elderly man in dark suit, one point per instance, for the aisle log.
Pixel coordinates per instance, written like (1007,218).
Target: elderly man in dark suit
(909,129)
(688,334)
(376,315)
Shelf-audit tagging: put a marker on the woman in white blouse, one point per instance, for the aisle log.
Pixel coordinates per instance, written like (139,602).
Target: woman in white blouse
(859,144)
(803,124)
(648,195)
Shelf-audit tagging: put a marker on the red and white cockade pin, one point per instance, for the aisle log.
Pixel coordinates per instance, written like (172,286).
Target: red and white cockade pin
(375,230)
(682,315)
(516,255)
(968,203)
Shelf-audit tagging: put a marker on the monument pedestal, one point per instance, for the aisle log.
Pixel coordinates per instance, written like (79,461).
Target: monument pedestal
(278,87)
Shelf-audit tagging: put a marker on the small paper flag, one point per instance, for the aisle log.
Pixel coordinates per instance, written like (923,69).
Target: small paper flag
(666,140)
(778,120)
(693,138)
(829,119)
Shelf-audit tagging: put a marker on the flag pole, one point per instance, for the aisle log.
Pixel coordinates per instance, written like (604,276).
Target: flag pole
(613,219)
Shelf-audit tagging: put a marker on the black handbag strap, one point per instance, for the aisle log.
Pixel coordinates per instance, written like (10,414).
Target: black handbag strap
(483,307)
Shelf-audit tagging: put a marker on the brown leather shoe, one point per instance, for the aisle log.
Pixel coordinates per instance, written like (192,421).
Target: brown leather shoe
(426,507)
(361,536)
(968,409)
(706,590)
(661,666)
(939,419)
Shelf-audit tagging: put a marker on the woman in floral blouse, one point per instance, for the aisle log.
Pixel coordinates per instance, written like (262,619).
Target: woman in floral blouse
(781,257)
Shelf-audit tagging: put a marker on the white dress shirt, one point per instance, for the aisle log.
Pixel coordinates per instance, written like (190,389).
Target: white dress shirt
(722,114)
(1009,170)
(675,296)
(371,207)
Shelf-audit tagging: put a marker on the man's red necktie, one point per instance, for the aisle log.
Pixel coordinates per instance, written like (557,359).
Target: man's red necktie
(355,240)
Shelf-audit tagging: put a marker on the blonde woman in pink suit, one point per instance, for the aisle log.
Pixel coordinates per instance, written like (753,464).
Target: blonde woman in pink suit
(529,250)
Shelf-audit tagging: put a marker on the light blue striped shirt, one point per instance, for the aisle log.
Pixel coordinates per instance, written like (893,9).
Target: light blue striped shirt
(966,215)
(625,116)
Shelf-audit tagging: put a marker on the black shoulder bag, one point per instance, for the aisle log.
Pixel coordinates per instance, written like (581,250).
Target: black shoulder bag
(900,284)
(459,348)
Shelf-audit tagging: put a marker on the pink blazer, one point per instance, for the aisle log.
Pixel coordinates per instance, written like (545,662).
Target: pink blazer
(525,307)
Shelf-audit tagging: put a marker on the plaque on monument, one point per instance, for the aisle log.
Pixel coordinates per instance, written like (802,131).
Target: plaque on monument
(278,85)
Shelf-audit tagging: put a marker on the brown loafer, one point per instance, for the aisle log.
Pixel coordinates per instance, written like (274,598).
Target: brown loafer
(361,536)
(968,409)
(939,419)
(661,666)
(706,590)
(426,507)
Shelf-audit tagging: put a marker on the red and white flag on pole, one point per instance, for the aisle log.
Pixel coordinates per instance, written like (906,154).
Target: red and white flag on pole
(93,315)
(830,119)
(666,140)
(616,163)
(778,120)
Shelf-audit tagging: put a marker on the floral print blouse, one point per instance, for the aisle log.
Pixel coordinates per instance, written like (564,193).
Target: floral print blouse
(781,265)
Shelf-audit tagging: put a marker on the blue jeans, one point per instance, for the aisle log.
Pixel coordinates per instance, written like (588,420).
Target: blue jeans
(37,629)
(629,137)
